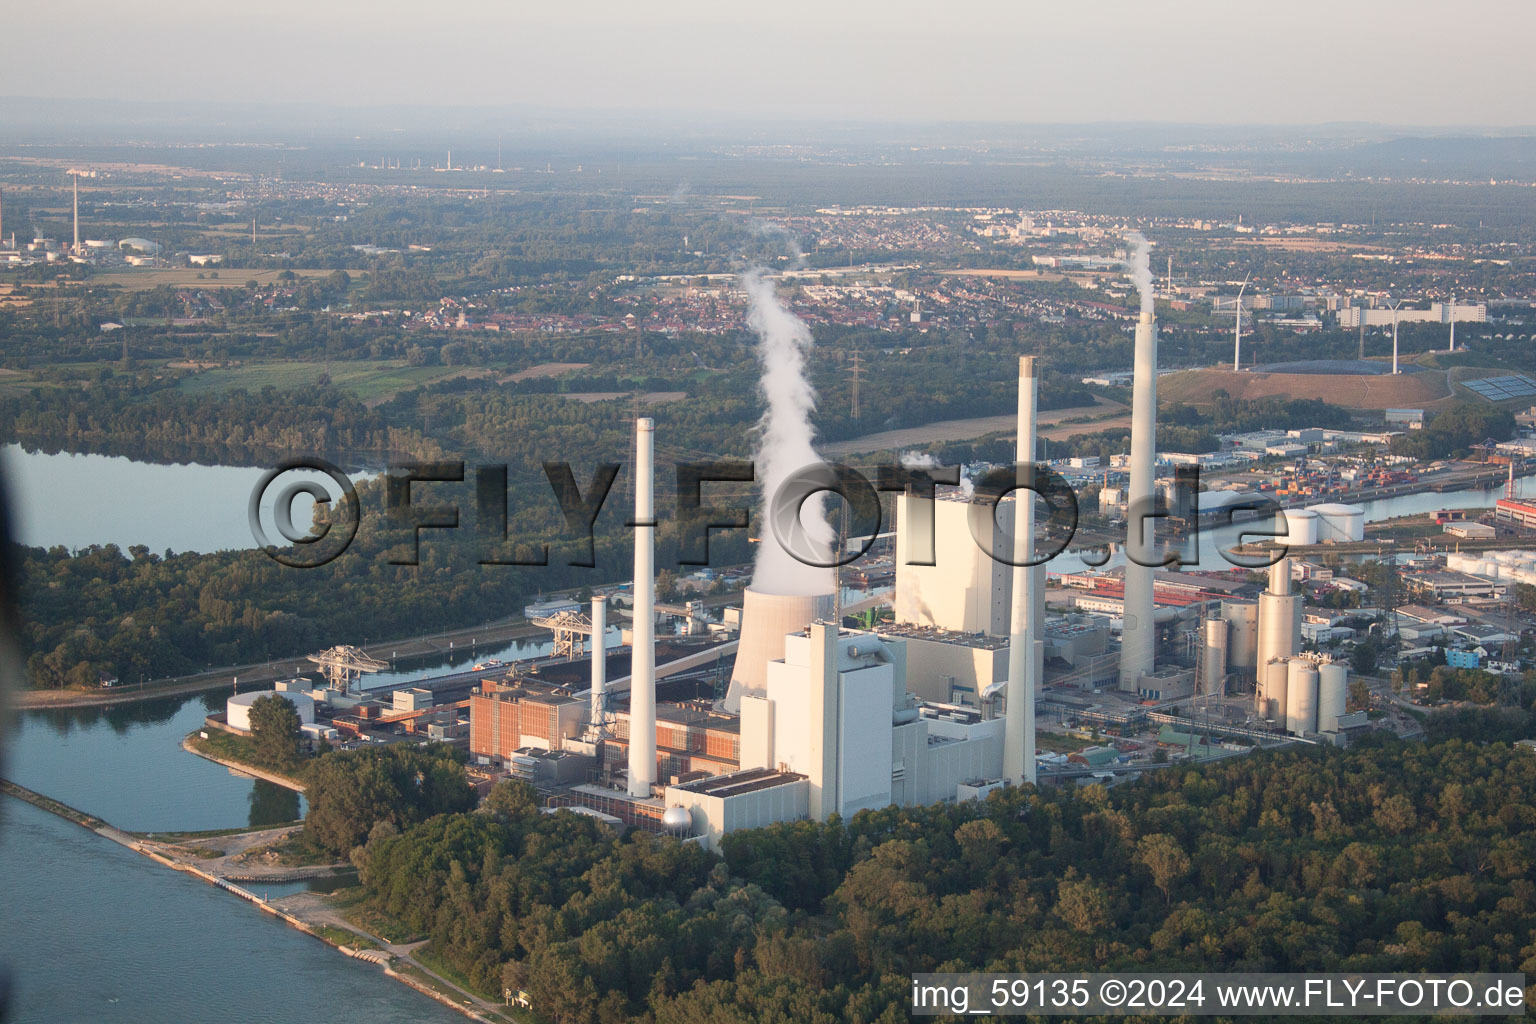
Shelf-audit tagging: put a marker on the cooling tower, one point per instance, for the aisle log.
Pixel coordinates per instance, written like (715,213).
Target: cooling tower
(1332,688)
(1300,696)
(765,619)
(1138,640)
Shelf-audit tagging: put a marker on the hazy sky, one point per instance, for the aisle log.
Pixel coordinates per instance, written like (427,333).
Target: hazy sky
(1299,61)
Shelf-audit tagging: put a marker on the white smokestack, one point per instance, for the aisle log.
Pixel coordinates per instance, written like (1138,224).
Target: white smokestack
(642,686)
(1138,643)
(784,445)
(1023,641)
(599,657)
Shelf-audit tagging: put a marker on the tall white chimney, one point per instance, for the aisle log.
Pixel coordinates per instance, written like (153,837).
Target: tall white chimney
(1023,629)
(77,217)
(1138,643)
(599,657)
(642,686)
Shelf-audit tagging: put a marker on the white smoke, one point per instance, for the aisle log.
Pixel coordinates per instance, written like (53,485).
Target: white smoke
(1140,266)
(773,229)
(918,460)
(784,443)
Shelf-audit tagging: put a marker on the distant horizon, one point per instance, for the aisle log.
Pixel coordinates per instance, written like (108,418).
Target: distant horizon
(865,61)
(521,112)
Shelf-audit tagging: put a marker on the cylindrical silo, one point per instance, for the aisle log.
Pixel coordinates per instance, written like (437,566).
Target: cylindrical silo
(1332,688)
(1279,616)
(1300,696)
(1339,523)
(1272,694)
(1243,638)
(1214,670)
(1301,526)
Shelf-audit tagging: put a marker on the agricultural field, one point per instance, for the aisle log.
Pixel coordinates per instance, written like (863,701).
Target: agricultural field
(197,277)
(373,381)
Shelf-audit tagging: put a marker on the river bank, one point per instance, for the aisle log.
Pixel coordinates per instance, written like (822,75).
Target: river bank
(240,766)
(321,925)
(431,645)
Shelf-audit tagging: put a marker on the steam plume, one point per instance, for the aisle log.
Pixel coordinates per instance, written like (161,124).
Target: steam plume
(784,444)
(1140,266)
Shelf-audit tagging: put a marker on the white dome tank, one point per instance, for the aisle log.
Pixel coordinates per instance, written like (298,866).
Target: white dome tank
(676,819)
(1340,523)
(1301,526)
(1300,697)
(1332,691)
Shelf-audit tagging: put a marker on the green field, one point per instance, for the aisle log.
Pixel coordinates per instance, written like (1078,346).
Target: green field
(367,380)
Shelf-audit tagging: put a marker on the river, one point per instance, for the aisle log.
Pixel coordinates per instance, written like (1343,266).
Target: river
(81,499)
(96,932)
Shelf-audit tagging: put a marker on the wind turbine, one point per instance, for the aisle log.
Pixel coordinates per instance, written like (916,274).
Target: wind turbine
(1237,328)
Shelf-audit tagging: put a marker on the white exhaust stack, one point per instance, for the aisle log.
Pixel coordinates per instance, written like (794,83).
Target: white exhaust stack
(1138,643)
(642,685)
(1024,652)
(599,658)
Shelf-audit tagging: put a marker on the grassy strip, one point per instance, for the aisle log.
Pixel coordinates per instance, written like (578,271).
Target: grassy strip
(343,937)
(214,833)
(354,905)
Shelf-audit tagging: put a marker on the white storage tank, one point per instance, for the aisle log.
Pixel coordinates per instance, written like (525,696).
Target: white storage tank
(1272,694)
(1332,696)
(1340,523)
(237,709)
(1300,696)
(1301,526)
(1214,671)
(1243,636)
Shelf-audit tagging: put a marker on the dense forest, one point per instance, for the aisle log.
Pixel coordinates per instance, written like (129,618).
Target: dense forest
(140,614)
(1385,857)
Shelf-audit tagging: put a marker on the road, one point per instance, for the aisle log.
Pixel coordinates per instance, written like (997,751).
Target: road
(490,634)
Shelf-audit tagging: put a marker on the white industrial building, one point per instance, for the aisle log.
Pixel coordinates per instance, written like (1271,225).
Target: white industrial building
(838,732)
(966,589)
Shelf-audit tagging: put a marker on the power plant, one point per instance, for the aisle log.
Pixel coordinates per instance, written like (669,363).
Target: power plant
(818,719)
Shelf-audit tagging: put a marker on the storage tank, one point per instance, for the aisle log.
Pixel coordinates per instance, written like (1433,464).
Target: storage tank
(1272,695)
(1339,523)
(1300,696)
(1243,636)
(1301,526)
(1332,690)
(1214,670)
